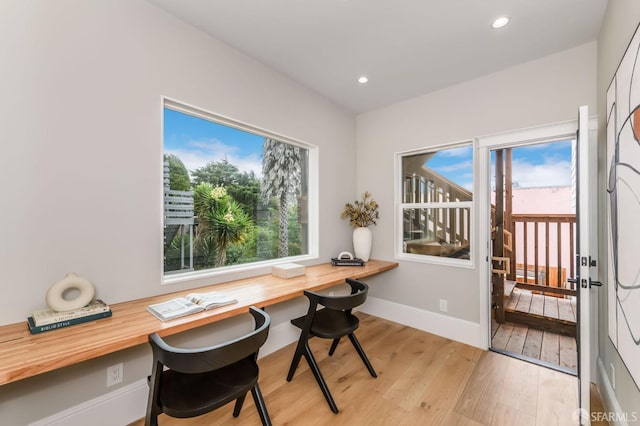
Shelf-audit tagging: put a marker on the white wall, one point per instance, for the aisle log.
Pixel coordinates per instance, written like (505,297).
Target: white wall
(544,91)
(619,23)
(81,154)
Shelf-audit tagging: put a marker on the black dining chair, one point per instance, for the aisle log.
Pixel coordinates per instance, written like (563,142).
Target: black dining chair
(333,321)
(191,382)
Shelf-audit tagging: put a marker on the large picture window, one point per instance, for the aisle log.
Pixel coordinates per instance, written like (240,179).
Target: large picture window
(436,205)
(233,194)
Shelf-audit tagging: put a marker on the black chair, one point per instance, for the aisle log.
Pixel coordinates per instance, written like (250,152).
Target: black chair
(334,321)
(192,382)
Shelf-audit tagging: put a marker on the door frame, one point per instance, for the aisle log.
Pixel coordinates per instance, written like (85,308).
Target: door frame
(519,138)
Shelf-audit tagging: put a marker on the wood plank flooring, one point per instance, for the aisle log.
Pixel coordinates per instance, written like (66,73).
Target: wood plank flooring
(546,346)
(423,379)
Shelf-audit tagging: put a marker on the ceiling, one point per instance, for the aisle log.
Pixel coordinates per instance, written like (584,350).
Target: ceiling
(405,47)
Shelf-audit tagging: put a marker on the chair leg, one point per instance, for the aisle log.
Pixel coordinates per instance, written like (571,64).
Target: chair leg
(334,345)
(260,405)
(313,365)
(363,356)
(294,364)
(238,406)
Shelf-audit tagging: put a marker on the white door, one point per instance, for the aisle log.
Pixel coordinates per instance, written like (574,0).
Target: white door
(584,261)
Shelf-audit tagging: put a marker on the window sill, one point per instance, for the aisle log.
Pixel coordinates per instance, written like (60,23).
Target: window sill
(233,272)
(436,260)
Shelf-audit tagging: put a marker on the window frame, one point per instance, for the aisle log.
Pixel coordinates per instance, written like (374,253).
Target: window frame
(400,207)
(313,192)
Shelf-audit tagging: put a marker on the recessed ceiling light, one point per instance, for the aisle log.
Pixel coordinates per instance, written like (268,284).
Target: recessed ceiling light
(363,80)
(500,22)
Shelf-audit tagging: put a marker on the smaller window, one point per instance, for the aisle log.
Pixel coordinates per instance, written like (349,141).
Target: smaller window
(435,213)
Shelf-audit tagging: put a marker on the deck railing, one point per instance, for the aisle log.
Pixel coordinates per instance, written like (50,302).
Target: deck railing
(543,250)
(450,224)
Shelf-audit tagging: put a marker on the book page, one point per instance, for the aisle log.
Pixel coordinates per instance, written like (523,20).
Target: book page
(211,299)
(173,308)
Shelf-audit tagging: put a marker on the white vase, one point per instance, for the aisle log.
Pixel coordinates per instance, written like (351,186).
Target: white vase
(362,243)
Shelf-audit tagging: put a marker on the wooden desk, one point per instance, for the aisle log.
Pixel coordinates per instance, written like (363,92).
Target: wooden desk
(24,355)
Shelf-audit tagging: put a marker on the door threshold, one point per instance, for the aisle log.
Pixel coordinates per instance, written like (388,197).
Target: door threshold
(536,361)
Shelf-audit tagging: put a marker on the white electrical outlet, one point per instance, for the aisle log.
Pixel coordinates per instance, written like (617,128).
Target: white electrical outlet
(443,305)
(115,374)
(613,376)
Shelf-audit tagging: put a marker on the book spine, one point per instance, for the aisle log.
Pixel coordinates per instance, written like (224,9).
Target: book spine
(66,316)
(35,329)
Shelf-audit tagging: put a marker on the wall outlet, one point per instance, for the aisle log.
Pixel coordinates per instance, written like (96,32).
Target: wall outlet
(115,374)
(443,305)
(613,376)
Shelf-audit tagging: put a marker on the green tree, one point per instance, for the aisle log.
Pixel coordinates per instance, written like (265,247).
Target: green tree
(221,222)
(243,187)
(178,174)
(281,174)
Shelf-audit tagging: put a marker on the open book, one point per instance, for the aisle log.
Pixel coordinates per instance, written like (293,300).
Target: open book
(189,304)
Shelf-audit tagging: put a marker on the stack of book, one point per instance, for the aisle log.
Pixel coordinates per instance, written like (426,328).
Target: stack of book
(342,261)
(47,319)
(287,270)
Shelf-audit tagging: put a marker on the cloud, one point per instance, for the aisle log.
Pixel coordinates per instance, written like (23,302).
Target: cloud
(453,167)
(463,151)
(197,153)
(549,173)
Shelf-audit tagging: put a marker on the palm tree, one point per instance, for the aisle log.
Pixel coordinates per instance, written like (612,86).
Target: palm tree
(221,221)
(281,171)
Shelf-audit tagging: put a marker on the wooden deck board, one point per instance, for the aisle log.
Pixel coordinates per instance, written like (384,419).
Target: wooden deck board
(533,344)
(537,305)
(551,307)
(524,303)
(547,346)
(550,348)
(565,312)
(501,337)
(568,352)
(512,301)
(517,338)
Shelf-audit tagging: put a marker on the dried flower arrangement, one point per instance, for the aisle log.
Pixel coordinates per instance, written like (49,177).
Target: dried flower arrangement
(362,212)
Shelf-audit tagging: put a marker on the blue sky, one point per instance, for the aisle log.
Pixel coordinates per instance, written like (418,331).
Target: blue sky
(197,142)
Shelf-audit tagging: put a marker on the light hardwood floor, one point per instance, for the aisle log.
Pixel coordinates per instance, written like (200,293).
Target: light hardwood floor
(423,379)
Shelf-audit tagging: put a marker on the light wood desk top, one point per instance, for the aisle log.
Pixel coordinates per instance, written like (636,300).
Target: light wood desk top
(25,355)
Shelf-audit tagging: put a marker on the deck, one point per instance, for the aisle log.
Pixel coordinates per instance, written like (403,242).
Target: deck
(546,346)
(549,313)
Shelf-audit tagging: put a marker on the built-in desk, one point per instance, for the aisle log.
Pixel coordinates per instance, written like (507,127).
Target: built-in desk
(24,355)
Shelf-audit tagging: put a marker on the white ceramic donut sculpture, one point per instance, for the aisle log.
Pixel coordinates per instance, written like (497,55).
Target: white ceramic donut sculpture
(57,302)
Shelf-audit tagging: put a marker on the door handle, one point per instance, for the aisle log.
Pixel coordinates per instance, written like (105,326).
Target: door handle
(596,283)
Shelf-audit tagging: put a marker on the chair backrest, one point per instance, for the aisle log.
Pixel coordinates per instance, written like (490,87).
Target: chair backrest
(357,297)
(211,358)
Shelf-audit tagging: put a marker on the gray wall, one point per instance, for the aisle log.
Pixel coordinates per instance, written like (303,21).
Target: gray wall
(540,92)
(81,154)
(620,22)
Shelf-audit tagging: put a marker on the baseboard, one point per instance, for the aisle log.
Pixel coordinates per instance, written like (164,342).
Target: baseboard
(443,325)
(120,407)
(128,403)
(608,396)
(279,336)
